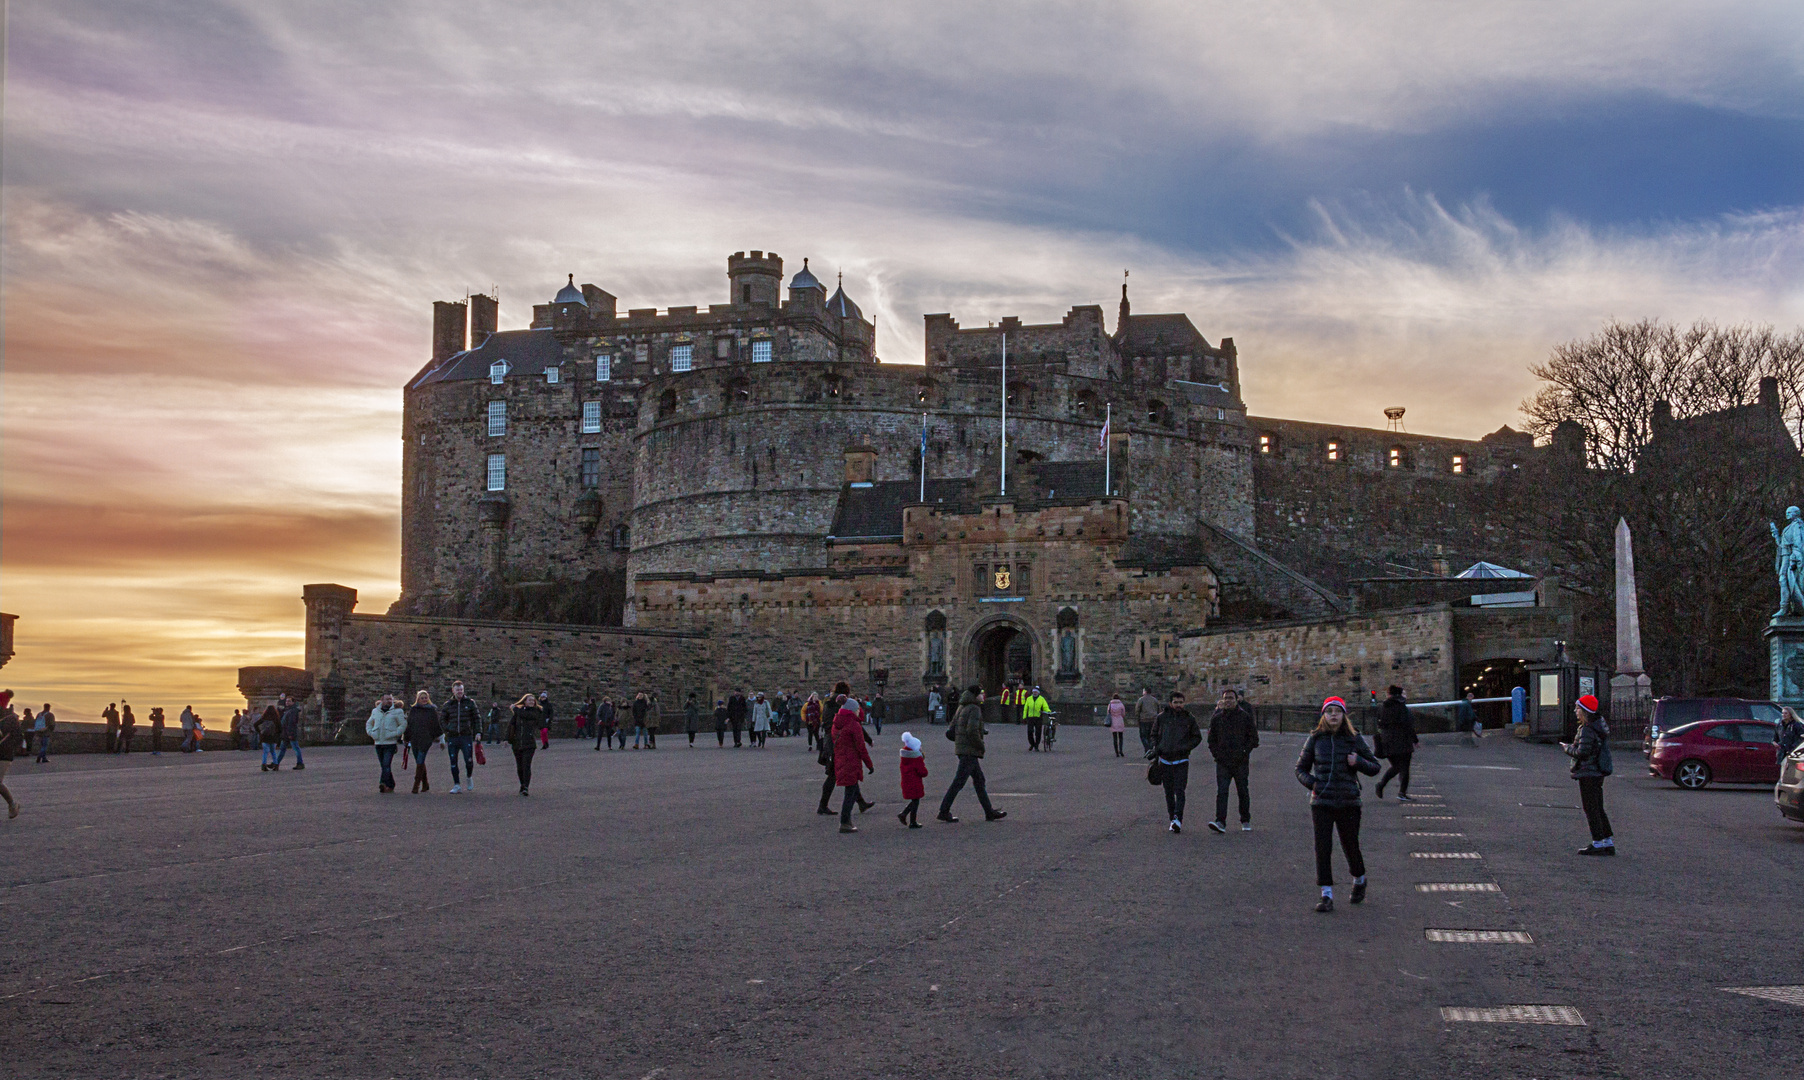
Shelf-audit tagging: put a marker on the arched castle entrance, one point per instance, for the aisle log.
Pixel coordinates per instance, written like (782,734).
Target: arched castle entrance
(1001,648)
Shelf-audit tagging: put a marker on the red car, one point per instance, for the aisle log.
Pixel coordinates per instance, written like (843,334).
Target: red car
(1733,752)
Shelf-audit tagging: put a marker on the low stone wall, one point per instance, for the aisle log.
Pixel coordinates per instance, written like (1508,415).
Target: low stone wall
(1300,663)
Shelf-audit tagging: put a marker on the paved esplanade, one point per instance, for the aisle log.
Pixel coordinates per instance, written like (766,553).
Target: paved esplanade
(686,913)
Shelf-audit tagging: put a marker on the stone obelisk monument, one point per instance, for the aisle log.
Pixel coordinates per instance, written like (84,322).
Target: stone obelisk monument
(1630,690)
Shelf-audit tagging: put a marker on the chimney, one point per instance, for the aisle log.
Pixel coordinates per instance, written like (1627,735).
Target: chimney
(1662,417)
(485,318)
(861,466)
(447,329)
(602,303)
(1769,394)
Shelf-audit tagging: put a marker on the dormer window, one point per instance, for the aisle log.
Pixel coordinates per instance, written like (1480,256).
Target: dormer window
(604,368)
(553,375)
(498,371)
(761,351)
(682,357)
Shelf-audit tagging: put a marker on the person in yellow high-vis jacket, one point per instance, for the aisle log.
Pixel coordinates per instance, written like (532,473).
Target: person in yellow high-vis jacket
(1034,708)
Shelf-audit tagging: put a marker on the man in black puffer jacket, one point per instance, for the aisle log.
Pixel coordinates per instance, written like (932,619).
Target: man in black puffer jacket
(462,726)
(1175,734)
(1397,730)
(1232,739)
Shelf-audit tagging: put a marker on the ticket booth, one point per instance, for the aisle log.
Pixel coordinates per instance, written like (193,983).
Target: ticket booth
(1554,688)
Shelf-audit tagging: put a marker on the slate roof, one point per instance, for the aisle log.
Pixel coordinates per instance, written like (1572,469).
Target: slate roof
(1159,333)
(875,512)
(570,294)
(805,279)
(527,352)
(840,304)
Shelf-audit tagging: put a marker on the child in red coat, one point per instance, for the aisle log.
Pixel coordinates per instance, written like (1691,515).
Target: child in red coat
(914,770)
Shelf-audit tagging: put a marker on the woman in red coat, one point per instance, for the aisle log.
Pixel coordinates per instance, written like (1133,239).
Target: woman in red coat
(914,770)
(850,762)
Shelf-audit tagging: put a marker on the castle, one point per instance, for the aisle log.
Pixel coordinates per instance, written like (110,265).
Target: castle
(745,495)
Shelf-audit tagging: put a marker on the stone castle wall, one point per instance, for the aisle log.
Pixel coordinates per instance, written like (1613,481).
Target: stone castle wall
(1301,663)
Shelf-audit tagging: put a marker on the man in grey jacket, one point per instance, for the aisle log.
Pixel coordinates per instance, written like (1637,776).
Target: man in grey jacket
(1146,710)
(968,732)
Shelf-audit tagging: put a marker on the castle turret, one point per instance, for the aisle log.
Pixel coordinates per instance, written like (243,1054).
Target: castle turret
(806,290)
(756,278)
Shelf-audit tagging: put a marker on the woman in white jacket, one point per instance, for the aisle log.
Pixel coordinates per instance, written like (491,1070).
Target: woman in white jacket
(760,720)
(386,727)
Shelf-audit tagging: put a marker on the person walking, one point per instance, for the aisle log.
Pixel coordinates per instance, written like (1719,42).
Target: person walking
(878,711)
(604,710)
(1788,735)
(269,735)
(760,720)
(1468,718)
(45,726)
(545,729)
(462,729)
(1175,734)
(914,775)
(584,715)
(111,715)
(291,733)
(386,727)
(811,718)
(1117,722)
(1034,708)
(692,718)
(1397,741)
(641,707)
(422,731)
(128,727)
(156,730)
(850,762)
(1146,710)
(12,741)
(522,735)
(720,722)
(736,711)
(1591,762)
(824,746)
(1333,757)
(936,706)
(1233,736)
(967,733)
(187,720)
(492,732)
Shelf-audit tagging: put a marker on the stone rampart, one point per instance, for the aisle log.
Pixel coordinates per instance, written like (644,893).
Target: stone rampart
(1300,663)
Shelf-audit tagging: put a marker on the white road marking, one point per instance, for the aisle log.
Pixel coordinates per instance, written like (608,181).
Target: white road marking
(1516,1014)
(1435,834)
(1480,937)
(1784,995)
(1458,886)
(1499,768)
(1445,855)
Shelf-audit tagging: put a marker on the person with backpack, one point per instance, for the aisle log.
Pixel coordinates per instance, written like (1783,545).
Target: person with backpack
(1233,736)
(386,727)
(1591,762)
(422,731)
(1175,735)
(914,775)
(462,729)
(967,731)
(850,762)
(1397,742)
(522,735)
(1333,757)
(269,735)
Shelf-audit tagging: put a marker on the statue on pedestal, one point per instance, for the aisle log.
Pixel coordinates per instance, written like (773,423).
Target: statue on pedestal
(1788,564)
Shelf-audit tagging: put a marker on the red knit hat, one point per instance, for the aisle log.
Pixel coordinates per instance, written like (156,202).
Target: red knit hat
(1333,701)
(1588,703)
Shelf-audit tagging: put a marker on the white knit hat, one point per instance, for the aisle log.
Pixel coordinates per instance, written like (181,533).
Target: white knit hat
(910,741)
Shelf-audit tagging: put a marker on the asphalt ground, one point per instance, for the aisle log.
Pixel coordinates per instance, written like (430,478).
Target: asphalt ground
(685,913)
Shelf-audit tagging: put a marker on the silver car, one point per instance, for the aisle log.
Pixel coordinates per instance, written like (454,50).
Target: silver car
(1789,791)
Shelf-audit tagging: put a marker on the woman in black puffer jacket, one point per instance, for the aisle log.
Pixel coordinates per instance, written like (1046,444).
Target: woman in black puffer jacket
(523,736)
(1333,757)
(422,731)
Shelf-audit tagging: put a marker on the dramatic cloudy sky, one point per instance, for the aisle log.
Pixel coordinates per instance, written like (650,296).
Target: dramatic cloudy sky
(225,223)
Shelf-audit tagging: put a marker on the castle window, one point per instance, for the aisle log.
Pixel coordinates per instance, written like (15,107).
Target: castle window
(1333,452)
(1459,464)
(497,472)
(554,375)
(667,404)
(761,351)
(830,386)
(1394,459)
(619,539)
(745,294)
(682,357)
(1084,404)
(604,368)
(498,371)
(497,418)
(723,348)
(591,417)
(1158,413)
(1267,444)
(642,354)
(591,471)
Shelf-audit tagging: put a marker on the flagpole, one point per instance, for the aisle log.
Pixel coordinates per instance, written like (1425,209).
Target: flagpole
(923,457)
(1107,450)
(1004,490)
